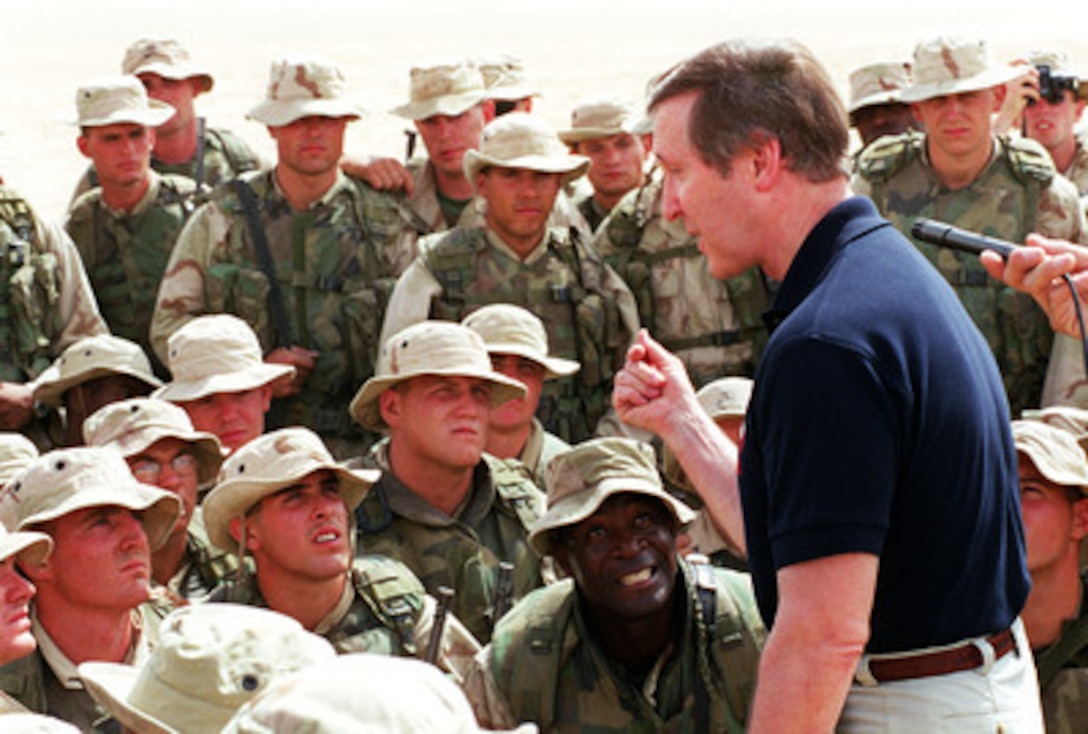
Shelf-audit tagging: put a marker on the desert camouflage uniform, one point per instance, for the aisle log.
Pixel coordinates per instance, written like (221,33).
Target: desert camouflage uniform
(1063,676)
(714,326)
(384,611)
(1018,192)
(225,156)
(1078,169)
(463,552)
(543,665)
(125,253)
(203,567)
(588,311)
(591,211)
(37,681)
(335,265)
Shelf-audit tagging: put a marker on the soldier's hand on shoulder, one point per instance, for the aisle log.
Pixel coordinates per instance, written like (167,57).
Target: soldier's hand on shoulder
(383,174)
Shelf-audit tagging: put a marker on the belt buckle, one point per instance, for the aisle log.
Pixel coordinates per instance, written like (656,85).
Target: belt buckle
(863,675)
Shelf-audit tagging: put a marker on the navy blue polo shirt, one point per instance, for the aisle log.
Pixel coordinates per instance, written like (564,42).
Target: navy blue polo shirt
(879,424)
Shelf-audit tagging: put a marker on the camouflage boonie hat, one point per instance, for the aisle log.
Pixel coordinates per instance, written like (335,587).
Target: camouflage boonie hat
(1067,417)
(1054,452)
(65,480)
(304,86)
(89,359)
(209,660)
(878,84)
(16,451)
(1059,66)
(443,87)
(510,329)
(522,140)
(360,692)
(114,100)
(132,426)
(504,78)
(951,65)
(268,464)
(726,397)
(599,117)
(430,348)
(581,479)
(216,353)
(164,57)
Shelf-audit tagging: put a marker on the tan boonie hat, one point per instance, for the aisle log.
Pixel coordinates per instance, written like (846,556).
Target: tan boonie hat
(209,660)
(430,348)
(951,65)
(29,546)
(25,722)
(1054,452)
(268,464)
(581,479)
(132,426)
(522,140)
(65,480)
(878,84)
(598,117)
(88,359)
(1067,417)
(114,100)
(164,57)
(304,85)
(442,87)
(216,353)
(726,397)
(1059,66)
(504,78)
(510,329)
(16,451)
(359,693)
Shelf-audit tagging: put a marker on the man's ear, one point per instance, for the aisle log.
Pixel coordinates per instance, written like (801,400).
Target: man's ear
(1080,518)
(562,557)
(81,143)
(390,405)
(252,542)
(766,162)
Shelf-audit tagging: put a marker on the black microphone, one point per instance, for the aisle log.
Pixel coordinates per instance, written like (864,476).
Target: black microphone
(945,235)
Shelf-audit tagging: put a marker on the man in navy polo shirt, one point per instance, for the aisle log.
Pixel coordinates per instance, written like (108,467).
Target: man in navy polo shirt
(878,496)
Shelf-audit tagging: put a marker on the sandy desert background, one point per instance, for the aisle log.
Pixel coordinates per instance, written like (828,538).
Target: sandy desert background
(570,49)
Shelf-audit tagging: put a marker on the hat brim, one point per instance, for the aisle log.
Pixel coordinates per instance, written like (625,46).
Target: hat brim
(894,96)
(277,113)
(578,135)
(178,72)
(364,406)
(577,507)
(111,684)
(570,167)
(511,93)
(990,78)
(156,114)
(234,497)
(251,378)
(29,546)
(449,104)
(159,509)
(554,367)
(51,391)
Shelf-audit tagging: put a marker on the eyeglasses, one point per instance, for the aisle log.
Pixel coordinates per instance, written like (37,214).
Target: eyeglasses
(149,471)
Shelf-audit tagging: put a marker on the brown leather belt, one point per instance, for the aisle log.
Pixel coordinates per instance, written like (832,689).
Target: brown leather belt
(965,657)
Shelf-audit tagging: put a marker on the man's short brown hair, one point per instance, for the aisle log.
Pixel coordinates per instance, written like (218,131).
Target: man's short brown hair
(751,92)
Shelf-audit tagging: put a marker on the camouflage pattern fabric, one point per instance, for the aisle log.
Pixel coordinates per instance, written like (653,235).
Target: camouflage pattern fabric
(389,613)
(46,302)
(539,449)
(1063,676)
(125,253)
(204,566)
(591,211)
(335,263)
(543,665)
(1078,169)
(1017,193)
(715,327)
(587,310)
(461,553)
(225,156)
